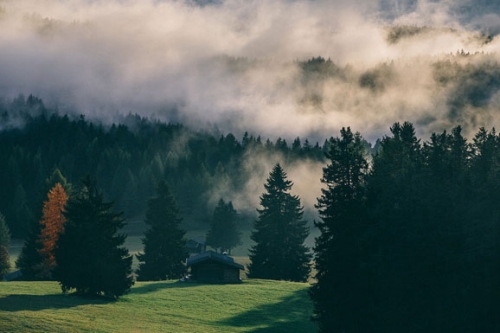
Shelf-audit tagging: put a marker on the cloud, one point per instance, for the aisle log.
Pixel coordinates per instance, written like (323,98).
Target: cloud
(234,63)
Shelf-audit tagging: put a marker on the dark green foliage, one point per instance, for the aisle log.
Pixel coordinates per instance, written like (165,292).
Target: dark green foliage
(279,233)
(400,32)
(415,244)
(30,262)
(57,177)
(164,244)
(339,293)
(4,247)
(22,212)
(4,261)
(400,227)
(89,255)
(127,159)
(4,232)
(433,252)
(223,233)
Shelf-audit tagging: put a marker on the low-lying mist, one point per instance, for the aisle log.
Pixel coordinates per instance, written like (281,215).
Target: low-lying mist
(239,65)
(275,68)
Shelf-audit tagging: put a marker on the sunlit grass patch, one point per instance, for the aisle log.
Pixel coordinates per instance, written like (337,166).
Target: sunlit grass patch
(253,306)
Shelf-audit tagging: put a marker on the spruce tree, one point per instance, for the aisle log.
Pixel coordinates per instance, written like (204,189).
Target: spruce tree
(4,247)
(165,248)
(30,261)
(279,233)
(223,233)
(337,294)
(56,177)
(403,233)
(89,253)
(4,232)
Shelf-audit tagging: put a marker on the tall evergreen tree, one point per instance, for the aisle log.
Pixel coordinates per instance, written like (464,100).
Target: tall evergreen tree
(279,233)
(223,233)
(165,248)
(56,177)
(4,247)
(52,224)
(30,261)
(340,291)
(89,253)
(401,232)
(4,232)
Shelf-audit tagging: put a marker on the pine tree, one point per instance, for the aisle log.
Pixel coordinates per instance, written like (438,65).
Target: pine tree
(400,239)
(279,234)
(52,225)
(4,246)
(165,248)
(4,232)
(56,177)
(89,253)
(30,261)
(337,292)
(223,233)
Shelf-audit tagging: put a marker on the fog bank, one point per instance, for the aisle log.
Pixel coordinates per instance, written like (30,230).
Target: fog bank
(235,64)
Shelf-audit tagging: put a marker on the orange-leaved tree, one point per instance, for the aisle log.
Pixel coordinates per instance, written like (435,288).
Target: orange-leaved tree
(52,224)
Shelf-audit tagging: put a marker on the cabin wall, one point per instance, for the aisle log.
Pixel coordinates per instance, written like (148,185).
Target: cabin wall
(212,272)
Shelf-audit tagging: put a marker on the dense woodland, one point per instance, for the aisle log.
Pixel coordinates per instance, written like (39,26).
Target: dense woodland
(411,240)
(409,230)
(127,160)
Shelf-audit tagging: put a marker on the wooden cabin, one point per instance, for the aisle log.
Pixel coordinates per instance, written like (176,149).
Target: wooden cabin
(196,246)
(212,267)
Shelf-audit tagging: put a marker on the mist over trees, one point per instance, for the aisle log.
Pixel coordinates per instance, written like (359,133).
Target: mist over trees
(409,231)
(127,159)
(415,232)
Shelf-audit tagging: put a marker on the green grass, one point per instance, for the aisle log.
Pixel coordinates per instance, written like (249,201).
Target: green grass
(254,306)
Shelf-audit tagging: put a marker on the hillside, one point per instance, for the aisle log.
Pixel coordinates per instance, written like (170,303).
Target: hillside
(253,306)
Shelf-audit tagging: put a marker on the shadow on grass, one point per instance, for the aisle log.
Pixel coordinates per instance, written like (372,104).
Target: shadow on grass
(291,314)
(155,286)
(15,303)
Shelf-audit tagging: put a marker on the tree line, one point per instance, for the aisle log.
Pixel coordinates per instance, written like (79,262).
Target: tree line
(410,240)
(409,235)
(127,160)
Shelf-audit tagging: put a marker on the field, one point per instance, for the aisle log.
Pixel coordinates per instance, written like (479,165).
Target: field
(253,306)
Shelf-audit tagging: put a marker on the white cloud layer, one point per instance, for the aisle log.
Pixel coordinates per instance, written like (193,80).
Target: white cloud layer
(174,60)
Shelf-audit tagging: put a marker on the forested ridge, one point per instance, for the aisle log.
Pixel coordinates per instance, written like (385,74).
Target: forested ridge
(409,230)
(411,243)
(374,122)
(126,159)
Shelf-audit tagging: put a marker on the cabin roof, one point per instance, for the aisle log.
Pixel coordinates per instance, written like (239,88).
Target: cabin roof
(213,256)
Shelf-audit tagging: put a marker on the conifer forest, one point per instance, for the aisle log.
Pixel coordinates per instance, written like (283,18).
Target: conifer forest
(348,145)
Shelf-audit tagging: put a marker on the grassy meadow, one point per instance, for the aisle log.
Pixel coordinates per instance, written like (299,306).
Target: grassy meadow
(252,306)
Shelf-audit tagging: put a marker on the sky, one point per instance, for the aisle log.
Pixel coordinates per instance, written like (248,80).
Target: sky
(233,64)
